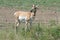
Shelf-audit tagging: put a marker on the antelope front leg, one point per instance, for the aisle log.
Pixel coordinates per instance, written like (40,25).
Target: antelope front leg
(26,26)
(17,25)
(30,25)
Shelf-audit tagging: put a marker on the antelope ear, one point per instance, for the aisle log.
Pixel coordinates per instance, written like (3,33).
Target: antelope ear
(37,6)
(33,5)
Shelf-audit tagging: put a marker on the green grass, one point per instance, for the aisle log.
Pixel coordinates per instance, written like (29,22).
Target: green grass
(38,31)
(26,4)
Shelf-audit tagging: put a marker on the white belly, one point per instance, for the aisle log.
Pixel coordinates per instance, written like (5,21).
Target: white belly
(22,18)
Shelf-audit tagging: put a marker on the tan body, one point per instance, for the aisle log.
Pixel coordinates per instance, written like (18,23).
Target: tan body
(22,13)
(27,17)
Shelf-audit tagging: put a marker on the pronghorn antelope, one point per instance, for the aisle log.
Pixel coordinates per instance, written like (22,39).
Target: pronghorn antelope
(26,17)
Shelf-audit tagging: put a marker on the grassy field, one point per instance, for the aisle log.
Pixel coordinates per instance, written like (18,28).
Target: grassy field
(26,4)
(39,31)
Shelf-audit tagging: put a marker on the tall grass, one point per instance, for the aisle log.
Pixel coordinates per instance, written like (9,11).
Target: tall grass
(38,32)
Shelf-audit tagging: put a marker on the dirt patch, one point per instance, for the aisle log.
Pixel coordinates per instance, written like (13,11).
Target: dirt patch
(6,15)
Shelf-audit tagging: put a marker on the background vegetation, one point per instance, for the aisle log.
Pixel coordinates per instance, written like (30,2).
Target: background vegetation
(26,4)
(39,31)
